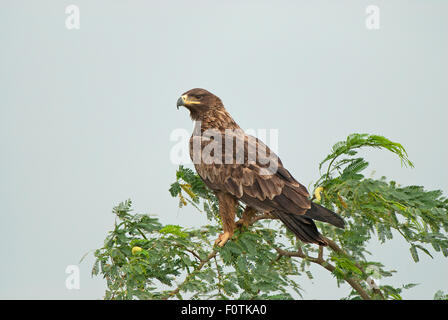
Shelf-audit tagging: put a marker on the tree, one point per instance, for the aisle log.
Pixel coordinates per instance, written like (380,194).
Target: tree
(143,259)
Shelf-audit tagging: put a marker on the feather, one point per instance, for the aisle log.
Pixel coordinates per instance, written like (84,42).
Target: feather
(303,228)
(317,212)
(293,195)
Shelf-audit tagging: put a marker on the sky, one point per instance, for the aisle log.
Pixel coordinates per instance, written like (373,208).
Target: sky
(86,115)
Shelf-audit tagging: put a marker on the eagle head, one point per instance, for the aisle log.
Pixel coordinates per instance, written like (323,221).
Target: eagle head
(199,101)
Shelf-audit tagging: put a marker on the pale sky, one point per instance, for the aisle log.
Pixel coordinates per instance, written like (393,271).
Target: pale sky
(86,115)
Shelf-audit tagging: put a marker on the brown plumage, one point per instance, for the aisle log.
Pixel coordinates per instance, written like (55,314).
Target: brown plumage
(231,164)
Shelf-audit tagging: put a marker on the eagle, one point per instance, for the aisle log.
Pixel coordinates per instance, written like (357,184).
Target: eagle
(238,167)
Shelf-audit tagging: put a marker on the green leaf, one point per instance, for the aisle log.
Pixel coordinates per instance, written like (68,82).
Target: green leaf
(173,229)
(175,189)
(414,253)
(440,295)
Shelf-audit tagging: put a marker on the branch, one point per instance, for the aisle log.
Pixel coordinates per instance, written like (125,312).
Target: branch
(262,217)
(339,250)
(189,250)
(219,275)
(187,278)
(209,257)
(320,261)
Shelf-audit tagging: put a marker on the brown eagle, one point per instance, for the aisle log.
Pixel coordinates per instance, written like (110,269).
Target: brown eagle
(240,167)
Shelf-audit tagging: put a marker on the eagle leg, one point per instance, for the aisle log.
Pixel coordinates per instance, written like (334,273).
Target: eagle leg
(227,210)
(247,217)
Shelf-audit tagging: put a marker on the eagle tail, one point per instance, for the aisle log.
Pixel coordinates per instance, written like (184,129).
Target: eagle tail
(317,212)
(303,227)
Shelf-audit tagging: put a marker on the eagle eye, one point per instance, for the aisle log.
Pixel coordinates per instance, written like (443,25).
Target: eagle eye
(198,97)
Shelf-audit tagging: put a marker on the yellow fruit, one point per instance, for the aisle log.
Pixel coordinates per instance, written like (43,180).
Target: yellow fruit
(317,193)
(136,249)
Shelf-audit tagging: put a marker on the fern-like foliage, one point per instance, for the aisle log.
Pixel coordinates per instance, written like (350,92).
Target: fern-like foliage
(143,259)
(348,148)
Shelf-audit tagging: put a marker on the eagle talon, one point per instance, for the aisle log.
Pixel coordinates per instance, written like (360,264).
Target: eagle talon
(222,239)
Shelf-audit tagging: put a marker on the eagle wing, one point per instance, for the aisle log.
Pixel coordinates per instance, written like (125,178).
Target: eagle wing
(248,170)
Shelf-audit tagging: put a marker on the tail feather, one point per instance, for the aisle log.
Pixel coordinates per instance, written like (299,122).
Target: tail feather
(303,227)
(317,212)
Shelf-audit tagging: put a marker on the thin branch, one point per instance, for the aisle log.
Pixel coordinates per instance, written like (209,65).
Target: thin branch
(321,253)
(141,233)
(219,275)
(262,217)
(320,260)
(339,250)
(187,278)
(193,253)
(299,253)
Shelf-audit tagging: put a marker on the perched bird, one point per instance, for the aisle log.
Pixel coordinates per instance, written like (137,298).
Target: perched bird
(241,168)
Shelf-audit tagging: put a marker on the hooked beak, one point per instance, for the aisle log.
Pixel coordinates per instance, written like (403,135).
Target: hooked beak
(180,102)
